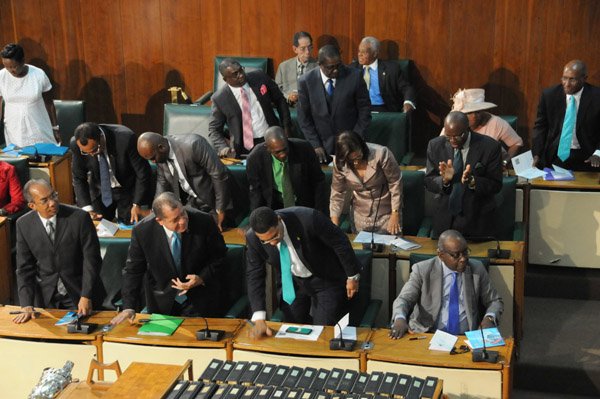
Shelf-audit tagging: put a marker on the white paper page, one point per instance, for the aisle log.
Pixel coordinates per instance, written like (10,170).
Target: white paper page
(107,228)
(364,237)
(523,165)
(404,244)
(349,332)
(442,341)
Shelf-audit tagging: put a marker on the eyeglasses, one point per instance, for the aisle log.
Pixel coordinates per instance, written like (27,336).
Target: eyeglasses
(302,49)
(95,151)
(458,255)
(331,67)
(46,200)
(455,138)
(460,350)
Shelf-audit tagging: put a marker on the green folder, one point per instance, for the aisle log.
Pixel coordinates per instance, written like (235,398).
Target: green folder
(160,325)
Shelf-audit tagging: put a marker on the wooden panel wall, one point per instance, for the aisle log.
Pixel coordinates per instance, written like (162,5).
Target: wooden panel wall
(121,55)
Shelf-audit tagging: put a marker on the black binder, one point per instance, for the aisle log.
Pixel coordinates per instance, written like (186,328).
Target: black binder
(236,374)
(250,392)
(279,376)
(429,388)
(207,391)
(211,370)
(294,393)
(374,382)
(251,373)
(178,389)
(192,390)
(388,384)
(265,374)
(279,393)
(234,392)
(361,383)
(264,393)
(348,380)
(307,377)
(221,391)
(320,379)
(402,386)
(334,380)
(415,388)
(292,377)
(224,371)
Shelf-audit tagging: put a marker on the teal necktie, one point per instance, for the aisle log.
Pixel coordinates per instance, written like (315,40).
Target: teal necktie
(566,136)
(287,284)
(176,251)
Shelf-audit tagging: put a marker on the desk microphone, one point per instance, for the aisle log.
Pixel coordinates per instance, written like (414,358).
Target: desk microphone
(81,328)
(483,355)
(208,334)
(375,247)
(495,253)
(336,344)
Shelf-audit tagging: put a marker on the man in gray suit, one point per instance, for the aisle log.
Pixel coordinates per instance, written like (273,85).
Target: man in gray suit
(190,168)
(291,69)
(446,293)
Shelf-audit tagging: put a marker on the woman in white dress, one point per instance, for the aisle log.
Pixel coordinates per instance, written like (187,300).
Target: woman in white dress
(29,114)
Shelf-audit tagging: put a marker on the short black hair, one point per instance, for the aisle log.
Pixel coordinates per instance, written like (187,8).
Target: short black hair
(87,131)
(328,52)
(226,63)
(345,144)
(262,219)
(299,35)
(13,51)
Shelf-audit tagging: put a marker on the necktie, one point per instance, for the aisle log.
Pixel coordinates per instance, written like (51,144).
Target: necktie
(456,195)
(367,77)
(247,121)
(301,70)
(288,189)
(566,136)
(105,188)
(287,284)
(175,181)
(329,87)
(176,251)
(50,230)
(453,326)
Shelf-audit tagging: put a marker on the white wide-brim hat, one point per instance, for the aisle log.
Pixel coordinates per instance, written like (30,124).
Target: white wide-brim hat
(470,100)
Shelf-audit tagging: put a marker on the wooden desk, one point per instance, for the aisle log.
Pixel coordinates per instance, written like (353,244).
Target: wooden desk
(6,267)
(462,378)
(123,344)
(58,172)
(300,353)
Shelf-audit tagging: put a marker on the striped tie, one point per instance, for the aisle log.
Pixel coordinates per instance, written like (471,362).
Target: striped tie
(247,121)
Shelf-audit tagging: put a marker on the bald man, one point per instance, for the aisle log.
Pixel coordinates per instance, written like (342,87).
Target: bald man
(567,126)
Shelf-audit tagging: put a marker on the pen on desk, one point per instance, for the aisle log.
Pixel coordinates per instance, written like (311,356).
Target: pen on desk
(23,311)
(416,338)
(250,322)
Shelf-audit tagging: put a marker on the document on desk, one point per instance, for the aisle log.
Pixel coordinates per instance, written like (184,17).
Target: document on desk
(365,237)
(315,332)
(492,338)
(442,341)
(106,228)
(404,244)
(558,174)
(523,165)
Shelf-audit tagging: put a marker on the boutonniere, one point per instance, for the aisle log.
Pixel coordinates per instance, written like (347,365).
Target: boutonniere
(263,90)
(297,238)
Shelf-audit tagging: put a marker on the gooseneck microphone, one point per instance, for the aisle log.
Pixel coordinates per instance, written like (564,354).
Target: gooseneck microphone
(336,344)
(483,355)
(496,253)
(208,334)
(375,247)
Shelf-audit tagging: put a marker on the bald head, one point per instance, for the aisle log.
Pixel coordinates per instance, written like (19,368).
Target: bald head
(453,250)
(450,235)
(277,143)
(574,76)
(153,147)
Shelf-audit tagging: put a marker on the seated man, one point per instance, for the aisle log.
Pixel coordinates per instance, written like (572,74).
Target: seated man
(245,104)
(388,89)
(11,194)
(181,253)
(190,168)
(290,70)
(108,173)
(314,266)
(57,250)
(464,171)
(285,172)
(446,293)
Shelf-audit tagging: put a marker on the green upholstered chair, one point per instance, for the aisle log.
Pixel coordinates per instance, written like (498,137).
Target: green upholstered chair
(234,282)
(416,258)
(240,194)
(70,114)
(186,119)
(413,198)
(111,274)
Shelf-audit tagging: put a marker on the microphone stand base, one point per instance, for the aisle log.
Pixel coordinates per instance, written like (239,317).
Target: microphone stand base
(209,335)
(480,355)
(373,247)
(499,253)
(337,344)
(83,328)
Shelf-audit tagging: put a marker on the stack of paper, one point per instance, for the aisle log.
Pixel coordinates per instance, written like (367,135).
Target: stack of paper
(404,244)
(523,165)
(558,174)
(160,325)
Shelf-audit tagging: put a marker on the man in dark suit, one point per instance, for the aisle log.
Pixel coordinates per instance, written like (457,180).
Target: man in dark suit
(181,253)
(285,172)
(108,173)
(245,104)
(332,99)
(58,254)
(567,126)
(313,263)
(388,90)
(464,171)
(190,168)
(432,296)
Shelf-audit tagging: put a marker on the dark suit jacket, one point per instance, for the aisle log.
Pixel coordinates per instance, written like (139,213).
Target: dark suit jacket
(550,117)
(131,170)
(349,109)
(74,257)
(322,247)
(202,253)
(478,206)
(225,109)
(307,177)
(203,170)
(392,85)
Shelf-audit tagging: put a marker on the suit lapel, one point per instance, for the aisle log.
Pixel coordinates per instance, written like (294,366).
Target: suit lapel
(230,99)
(339,90)
(165,248)
(468,292)
(474,152)
(584,102)
(437,288)
(61,226)
(268,167)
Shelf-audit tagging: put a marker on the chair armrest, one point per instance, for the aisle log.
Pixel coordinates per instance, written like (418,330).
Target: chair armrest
(425,229)
(238,308)
(204,98)
(368,319)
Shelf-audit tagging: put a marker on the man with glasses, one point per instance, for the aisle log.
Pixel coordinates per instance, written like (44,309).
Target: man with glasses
(464,171)
(290,70)
(314,266)
(109,176)
(446,293)
(179,252)
(567,126)
(332,99)
(245,104)
(58,254)
(285,172)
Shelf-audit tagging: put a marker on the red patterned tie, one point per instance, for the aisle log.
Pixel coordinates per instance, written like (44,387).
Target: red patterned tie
(247,121)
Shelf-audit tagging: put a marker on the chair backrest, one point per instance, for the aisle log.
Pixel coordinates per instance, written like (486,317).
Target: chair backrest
(249,63)
(22,168)
(70,114)
(504,218)
(115,252)
(413,200)
(405,67)
(186,119)
(416,258)
(240,192)
(360,303)
(511,119)
(234,278)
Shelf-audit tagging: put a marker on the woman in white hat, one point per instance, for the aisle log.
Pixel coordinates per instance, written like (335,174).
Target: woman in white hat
(472,102)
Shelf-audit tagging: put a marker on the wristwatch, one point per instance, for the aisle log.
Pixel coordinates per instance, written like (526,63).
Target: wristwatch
(492,319)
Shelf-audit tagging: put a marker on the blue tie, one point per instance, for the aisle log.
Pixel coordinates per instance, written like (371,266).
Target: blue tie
(453,326)
(329,87)
(566,136)
(287,284)
(176,251)
(456,195)
(105,189)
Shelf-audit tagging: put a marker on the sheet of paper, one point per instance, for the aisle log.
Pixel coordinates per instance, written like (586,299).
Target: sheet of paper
(442,341)
(562,171)
(341,324)
(405,244)
(364,237)
(523,165)
(313,336)
(106,228)
(349,332)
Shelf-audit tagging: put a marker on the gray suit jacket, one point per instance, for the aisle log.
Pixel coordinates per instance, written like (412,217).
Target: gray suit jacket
(423,292)
(202,168)
(286,77)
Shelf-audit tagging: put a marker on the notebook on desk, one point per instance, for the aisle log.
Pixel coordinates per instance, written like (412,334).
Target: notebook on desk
(160,325)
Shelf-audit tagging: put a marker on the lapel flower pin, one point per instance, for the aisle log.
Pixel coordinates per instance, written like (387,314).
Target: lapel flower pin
(263,90)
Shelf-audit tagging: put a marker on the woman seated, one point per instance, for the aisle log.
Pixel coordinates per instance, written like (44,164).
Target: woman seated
(371,172)
(11,194)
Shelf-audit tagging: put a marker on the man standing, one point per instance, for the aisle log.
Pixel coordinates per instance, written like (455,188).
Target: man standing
(567,126)
(245,104)
(290,70)
(446,293)
(285,172)
(464,171)
(331,99)
(108,173)
(181,253)
(190,168)
(313,263)
(388,89)
(57,249)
